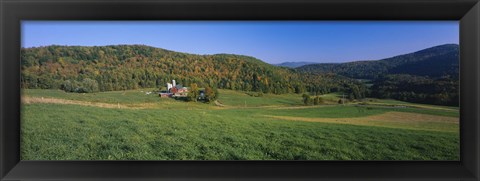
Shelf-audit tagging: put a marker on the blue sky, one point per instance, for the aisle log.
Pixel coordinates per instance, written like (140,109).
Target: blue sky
(270,41)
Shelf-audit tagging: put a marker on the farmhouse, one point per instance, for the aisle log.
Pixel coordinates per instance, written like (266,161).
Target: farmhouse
(174,90)
(179,91)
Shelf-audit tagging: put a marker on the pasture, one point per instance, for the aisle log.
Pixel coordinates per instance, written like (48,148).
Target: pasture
(131,125)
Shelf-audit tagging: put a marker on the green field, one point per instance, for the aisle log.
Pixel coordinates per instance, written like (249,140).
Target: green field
(131,125)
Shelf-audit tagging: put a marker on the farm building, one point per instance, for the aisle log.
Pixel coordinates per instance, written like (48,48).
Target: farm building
(202,95)
(165,94)
(174,90)
(180,91)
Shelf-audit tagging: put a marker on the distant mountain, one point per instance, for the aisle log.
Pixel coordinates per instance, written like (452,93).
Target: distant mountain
(433,62)
(293,64)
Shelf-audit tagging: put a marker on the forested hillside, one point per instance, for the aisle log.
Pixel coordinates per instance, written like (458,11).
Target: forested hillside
(433,62)
(420,89)
(124,67)
(428,76)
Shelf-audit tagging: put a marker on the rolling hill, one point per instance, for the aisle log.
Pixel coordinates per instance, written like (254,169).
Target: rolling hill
(429,76)
(126,67)
(433,62)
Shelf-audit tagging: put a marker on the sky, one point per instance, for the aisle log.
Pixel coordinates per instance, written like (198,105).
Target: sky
(271,41)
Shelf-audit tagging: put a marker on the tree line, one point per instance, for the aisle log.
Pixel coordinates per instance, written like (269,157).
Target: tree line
(419,89)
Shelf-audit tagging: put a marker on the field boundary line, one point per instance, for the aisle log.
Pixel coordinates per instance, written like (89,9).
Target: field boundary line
(389,119)
(44,100)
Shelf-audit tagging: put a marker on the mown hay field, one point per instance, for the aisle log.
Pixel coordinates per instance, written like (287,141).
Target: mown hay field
(131,125)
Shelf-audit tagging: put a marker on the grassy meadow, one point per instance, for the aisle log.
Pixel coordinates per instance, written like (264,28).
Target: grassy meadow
(131,125)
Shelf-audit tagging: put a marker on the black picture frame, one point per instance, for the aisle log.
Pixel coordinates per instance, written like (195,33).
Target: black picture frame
(13,11)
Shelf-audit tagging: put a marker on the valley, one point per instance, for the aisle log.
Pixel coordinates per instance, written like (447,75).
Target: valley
(104,103)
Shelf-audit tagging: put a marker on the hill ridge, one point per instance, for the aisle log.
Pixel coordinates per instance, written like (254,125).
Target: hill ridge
(446,54)
(124,67)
